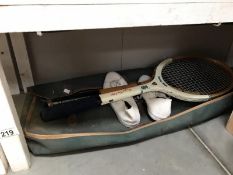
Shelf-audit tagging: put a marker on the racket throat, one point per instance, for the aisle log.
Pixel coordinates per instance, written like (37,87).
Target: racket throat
(124,93)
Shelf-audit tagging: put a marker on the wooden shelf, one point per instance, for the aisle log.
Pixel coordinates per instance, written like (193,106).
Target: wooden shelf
(104,2)
(29,17)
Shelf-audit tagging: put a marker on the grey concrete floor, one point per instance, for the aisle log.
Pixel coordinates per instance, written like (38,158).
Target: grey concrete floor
(218,139)
(179,153)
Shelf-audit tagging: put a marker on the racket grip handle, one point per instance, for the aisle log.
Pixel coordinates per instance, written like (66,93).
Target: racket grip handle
(65,109)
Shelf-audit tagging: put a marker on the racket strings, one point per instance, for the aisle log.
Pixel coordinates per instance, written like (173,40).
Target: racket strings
(196,76)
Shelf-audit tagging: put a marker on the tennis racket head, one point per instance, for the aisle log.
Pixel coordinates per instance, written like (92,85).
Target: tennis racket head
(194,79)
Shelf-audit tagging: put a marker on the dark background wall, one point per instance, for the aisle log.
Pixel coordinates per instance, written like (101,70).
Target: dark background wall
(62,55)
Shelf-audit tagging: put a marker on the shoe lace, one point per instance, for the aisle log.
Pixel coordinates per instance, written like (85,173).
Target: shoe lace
(115,83)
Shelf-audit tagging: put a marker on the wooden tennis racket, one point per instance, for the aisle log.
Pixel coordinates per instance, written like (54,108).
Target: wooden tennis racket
(188,79)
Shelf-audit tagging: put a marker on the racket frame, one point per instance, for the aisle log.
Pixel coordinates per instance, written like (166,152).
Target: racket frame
(158,84)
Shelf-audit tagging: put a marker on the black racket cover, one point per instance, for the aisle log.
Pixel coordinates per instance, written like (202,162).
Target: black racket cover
(63,110)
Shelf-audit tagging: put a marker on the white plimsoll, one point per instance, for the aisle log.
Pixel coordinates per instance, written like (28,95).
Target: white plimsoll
(126,110)
(158,105)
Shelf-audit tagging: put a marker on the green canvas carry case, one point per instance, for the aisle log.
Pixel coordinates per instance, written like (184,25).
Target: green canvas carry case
(99,127)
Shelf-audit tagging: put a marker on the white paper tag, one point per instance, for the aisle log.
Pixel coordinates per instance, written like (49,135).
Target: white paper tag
(8,132)
(67,91)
